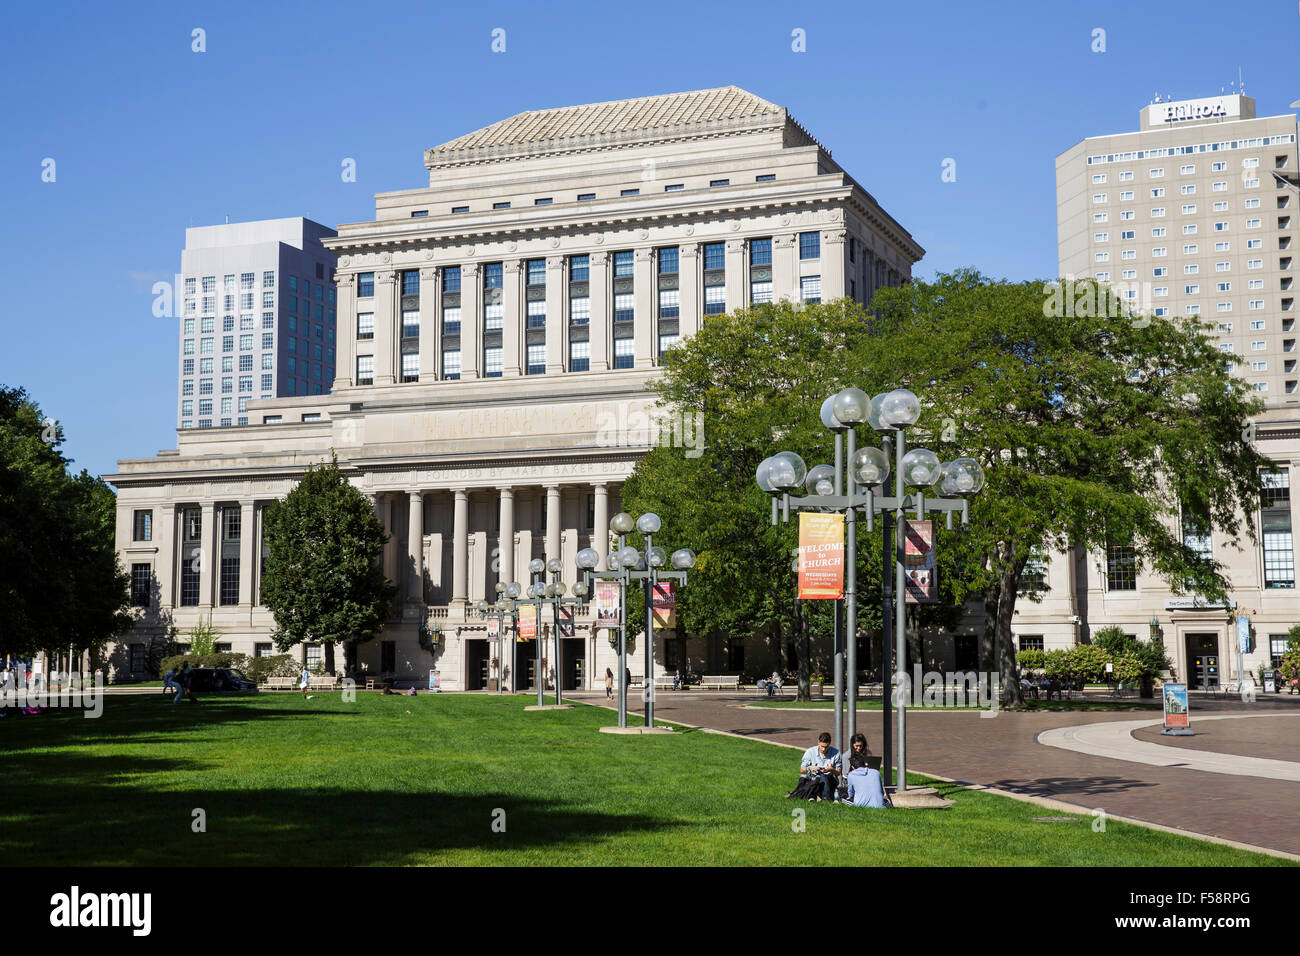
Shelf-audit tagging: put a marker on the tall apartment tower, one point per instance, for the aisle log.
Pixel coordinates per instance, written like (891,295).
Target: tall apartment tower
(256,318)
(1186,217)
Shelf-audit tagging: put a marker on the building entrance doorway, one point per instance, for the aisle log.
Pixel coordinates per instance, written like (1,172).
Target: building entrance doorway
(1203,661)
(574,651)
(525,671)
(478,663)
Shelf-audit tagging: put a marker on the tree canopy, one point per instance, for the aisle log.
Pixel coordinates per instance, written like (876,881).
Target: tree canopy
(322,580)
(61,582)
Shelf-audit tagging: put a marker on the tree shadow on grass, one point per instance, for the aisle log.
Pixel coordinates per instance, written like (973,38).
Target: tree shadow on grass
(72,809)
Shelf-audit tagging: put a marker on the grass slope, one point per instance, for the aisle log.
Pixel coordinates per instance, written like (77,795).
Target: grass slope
(399,780)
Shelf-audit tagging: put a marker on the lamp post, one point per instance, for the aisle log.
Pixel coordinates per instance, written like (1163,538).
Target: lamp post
(868,469)
(504,608)
(624,566)
(543,592)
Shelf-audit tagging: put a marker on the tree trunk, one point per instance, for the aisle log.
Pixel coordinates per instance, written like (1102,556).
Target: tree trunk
(329,658)
(1008,577)
(988,643)
(350,657)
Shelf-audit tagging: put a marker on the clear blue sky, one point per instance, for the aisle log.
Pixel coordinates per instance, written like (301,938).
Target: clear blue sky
(150,137)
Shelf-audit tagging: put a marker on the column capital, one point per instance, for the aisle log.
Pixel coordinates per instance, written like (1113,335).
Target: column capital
(429,272)
(345,280)
(688,250)
(645,254)
(508,491)
(460,493)
(735,245)
(386,275)
(511,266)
(413,495)
(783,241)
(835,237)
(554,262)
(469,269)
(599,257)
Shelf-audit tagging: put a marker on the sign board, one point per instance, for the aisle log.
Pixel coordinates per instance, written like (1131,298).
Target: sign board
(606,602)
(920,576)
(527,622)
(435,684)
(821,556)
(1270,685)
(1195,604)
(566,620)
(1243,634)
(1176,715)
(493,628)
(664,604)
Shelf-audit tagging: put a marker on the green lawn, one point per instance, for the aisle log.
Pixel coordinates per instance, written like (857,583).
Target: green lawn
(400,780)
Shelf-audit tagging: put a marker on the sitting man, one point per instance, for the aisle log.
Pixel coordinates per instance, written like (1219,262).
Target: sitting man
(865,789)
(821,764)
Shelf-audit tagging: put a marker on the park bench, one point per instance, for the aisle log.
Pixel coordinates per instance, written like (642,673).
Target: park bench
(664,681)
(378,683)
(280,683)
(322,682)
(720,681)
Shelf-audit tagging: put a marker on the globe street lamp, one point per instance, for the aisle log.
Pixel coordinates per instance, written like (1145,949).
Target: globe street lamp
(624,565)
(891,413)
(503,609)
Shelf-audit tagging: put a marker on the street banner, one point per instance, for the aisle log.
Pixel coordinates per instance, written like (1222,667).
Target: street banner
(566,621)
(527,622)
(607,604)
(920,575)
(821,556)
(665,606)
(1243,634)
(493,628)
(1176,706)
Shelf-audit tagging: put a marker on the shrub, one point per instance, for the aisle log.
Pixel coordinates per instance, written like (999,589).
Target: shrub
(260,668)
(224,659)
(1030,660)
(1114,641)
(1087,662)
(1128,669)
(1056,664)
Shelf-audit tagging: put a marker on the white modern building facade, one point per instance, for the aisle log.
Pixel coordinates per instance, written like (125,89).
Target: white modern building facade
(1192,214)
(257,318)
(497,333)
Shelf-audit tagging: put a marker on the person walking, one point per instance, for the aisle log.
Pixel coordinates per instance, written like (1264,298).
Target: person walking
(609,683)
(168,681)
(304,681)
(183,678)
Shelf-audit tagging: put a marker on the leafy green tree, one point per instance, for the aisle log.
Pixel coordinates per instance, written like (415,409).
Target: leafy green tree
(322,580)
(1092,428)
(203,638)
(61,583)
(1150,656)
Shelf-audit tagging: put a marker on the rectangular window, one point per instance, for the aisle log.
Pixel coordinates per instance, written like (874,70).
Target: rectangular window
(624,307)
(719,182)
(365,325)
(624,353)
(492,362)
(579,310)
(501,205)
(810,245)
(537,359)
(1121,568)
(141,579)
(411,282)
(586,197)
(1028,642)
(579,356)
(669,303)
(451,279)
(667,340)
(1279,555)
(410,366)
(451,320)
(715,256)
(365,284)
(543,202)
(451,363)
(365,369)
(810,288)
(675,188)
(142,526)
(229,581)
(458,209)
(715,299)
(580,267)
(629,192)
(667,259)
(493,316)
(765,178)
(535,270)
(760,252)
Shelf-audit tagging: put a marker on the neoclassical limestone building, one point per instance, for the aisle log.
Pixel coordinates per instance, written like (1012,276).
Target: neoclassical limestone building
(497,330)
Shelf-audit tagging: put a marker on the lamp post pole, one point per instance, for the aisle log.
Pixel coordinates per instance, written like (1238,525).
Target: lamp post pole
(838,611)
(886,644)
(900,608)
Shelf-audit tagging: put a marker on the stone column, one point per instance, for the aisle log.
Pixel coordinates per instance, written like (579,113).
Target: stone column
(689,280)
(506,537)
(390,548)
(833,255)
(600,313)
(555,315)
(552,521)
(430,324)
(415,547)
(460,547)
(345,328)
(247,553)
(385,327)
(207,555)
(471,343)
(647,308)
(164,569)
(513,322)
(785,269)
(600,533)
(737,279)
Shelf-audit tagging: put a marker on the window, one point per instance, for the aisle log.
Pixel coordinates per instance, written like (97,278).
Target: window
(715,256)
(667,340)
(1258,345)
(451,279)
(810,245)
(1159,271)
(1126,196)
(1098,179)
(1259,366)
(629,192)
(365,325)
(451,363)
(537,359)
(1187,208)
(1254,243)
(1030,642)
(1279,557)
(760,252)
(1190,229)
(810,288)
(715,299)
(1159,251)
(245,383)
(1187,190)
(1125,215)
(537,314)
(365,284)
(501,205)
(141,579)
(1155,173)
(1192,268)
(624,353)
(543,202)
(1250,204)
(1250,224)
(1126,176)
(411,282)
(245,343)
(1221,206)
(668,262)
(580,266)
(765,178)
(719,182)
(1098,197)
(675,188)
(579,310)
(142,526)
(579,356)
(669,303)
(1121,568)
(1223,226)
(365,369)
(1187,169)
(1158,232)
(624,307)
(535,272)
(1157,212)
(410,366)
(1223,286)
(1128,234)
(586,197)
(1100,217)
(1101,237)
(492,361)
(1157,193)
(1192,289)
